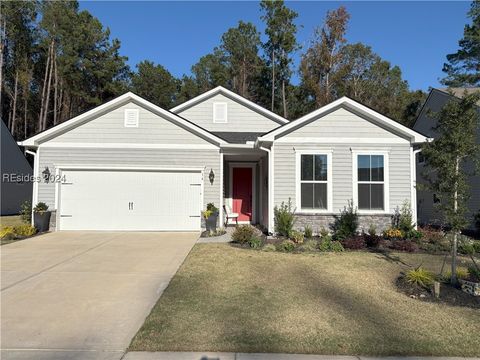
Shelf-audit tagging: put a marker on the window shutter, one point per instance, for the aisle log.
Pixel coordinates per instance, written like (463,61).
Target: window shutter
(131,118)
(219,112)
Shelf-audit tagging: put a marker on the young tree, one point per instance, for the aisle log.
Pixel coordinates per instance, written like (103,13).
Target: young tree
(463,67)
(446,158)
(321,64)
(155,83)
(280,30)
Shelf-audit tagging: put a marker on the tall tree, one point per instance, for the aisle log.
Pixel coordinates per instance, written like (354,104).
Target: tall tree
(155,83)
(281,31)
(463,67)
(454,146)
(321,64)
(211,71)
(240,46)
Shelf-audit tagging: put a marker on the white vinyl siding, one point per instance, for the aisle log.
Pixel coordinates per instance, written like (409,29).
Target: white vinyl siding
(176,158)
(110,128)
(240,117)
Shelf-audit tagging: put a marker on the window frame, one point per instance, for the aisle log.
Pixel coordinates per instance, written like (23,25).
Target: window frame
(298,180)
(385,182)
(215,110)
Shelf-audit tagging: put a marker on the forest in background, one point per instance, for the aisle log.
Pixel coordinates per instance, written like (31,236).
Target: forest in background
(57,61)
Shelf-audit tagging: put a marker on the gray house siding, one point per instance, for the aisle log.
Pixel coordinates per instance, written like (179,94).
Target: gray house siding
(240,118)
(109,128)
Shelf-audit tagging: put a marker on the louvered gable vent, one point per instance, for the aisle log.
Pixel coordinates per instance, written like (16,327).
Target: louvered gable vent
(219,112)
(131,118)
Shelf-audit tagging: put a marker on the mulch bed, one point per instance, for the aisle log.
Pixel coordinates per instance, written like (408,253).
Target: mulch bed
(449,294)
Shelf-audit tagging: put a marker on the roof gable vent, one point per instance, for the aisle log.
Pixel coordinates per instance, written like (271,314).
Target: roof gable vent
(219,112)
(131,118)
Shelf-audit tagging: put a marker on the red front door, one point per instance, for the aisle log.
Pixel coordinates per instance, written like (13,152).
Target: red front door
(242,193)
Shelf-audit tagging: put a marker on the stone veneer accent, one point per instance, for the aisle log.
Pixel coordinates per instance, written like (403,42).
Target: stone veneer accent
(317,221)
(470,287)
(53,220)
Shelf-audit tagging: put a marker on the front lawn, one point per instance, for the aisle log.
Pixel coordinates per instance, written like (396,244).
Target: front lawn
(238,300)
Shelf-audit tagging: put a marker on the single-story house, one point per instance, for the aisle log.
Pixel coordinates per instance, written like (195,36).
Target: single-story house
(428,213)
(131,165)
(16,171)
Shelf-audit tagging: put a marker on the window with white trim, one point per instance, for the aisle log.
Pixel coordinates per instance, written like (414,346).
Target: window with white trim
(219,112)
(371,182)
(131,118)
(314,181)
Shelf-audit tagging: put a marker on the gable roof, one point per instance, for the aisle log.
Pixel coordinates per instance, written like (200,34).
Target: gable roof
(233,96)
(349,104)
(112,104)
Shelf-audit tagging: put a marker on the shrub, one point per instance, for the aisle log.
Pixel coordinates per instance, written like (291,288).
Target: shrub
(346,223)
(7,233)
(255,242)
(40,208)
(474,272)
(284,218)
(402,219)
(323,232)
(373,241)
(24,230)
(462,273)
(269,248)
(420,277)
(336,246)
(476,246)
(309,246)
(26,212)
(326,243)
(243,234)
(354,242)
(412,234)
(286,246)
(433,240)
(404,245)
(467,245)
(308,232)
(372,230)
(296,236)
(393,233)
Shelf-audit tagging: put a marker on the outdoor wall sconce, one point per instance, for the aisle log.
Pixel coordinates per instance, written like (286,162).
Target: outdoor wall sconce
(211,176)
(46,175)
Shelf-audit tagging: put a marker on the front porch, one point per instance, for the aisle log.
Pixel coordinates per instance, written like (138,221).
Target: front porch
(245,184)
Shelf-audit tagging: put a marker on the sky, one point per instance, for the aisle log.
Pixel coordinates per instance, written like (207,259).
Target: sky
(416,36)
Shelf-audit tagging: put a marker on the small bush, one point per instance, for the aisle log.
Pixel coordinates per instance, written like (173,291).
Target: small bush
(373,241)
(24,230)
(284,218)
(309,246)
(297,237)
(40,208)
(26,212)
(474,272)
(243,234)
(286,246)
(420,277)
(308,232)
(354,242)
(372,230)
(404,245)
(324,232)
(412,234)
(476,246)
(269,248)
(467,245)
(7,233)
(326,243)
(462,273)
(402,219)
(433,240)
(337,246)
(346,223)
(393,233)
(255,242)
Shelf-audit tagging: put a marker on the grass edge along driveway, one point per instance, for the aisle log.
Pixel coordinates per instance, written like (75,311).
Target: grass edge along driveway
(227,299)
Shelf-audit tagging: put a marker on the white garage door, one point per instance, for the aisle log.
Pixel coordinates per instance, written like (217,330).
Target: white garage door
(130,200)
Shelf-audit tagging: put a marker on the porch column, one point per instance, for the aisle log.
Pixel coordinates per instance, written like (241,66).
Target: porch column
(220,207)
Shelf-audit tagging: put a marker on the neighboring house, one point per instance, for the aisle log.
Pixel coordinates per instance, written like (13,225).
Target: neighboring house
(131,165)
(425,124)
(16,186)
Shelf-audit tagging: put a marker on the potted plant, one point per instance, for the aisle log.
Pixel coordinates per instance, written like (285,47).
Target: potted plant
(211,216)
(41,217)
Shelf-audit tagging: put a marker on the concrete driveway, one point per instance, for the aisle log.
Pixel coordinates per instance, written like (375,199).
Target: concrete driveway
(83,295)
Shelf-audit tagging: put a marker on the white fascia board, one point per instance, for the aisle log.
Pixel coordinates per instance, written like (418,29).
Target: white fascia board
(414,136)
(231,94)
(237,146)
(33,141)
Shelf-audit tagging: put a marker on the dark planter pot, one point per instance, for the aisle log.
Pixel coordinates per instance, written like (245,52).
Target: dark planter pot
(211,222)
(42,221)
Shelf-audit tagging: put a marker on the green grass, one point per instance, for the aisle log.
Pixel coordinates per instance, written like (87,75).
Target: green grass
(237,300)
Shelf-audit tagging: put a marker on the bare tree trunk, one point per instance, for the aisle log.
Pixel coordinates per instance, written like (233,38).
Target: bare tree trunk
(284,100)
(14,111)
(25,112)
(3,29)
(42,100)
(55,94)
(244,80)
(273,79)
(47,100)
(453,279)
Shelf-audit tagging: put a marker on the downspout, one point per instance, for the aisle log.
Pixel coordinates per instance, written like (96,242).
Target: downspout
(414,184)
(270,188)
(35,182)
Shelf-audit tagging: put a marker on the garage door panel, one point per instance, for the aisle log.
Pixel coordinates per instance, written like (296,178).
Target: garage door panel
(130,200)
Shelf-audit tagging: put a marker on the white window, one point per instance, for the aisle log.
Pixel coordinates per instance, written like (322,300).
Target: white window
(370,190)
(219,112)
(314,181)
(131,118)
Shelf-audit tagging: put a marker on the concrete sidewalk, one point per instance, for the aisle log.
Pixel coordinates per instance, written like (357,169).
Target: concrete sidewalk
(140,355)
